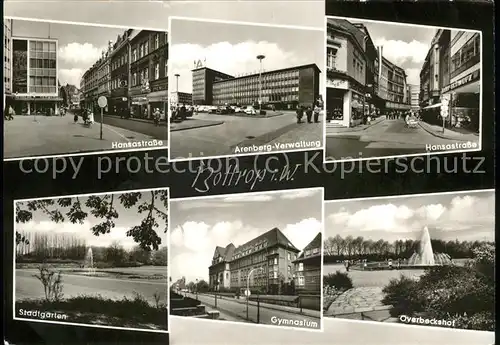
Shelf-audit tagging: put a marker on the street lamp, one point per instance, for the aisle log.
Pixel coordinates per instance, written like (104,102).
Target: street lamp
(247,293)
(196,287)
(177,75)
(260,58)
(215,292)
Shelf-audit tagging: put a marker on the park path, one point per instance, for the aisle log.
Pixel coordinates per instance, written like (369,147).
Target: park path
(358,300)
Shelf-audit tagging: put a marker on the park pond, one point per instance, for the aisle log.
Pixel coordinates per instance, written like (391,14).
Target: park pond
(150,282)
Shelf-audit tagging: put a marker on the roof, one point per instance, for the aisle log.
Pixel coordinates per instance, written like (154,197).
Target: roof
(226,253)
(348,28)
(313,65)
(273,237)
(212,70)
(317,242)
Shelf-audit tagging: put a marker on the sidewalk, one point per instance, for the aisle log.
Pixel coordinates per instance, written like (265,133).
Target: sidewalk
(437,131)
(307,312)
(191,123)
(306,132)
(333,130)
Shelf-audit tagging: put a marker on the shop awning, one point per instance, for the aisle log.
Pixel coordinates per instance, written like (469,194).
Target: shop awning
(437,105)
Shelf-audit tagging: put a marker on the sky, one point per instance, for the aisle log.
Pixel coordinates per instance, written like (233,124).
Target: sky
(234,48)
(403,45)
(199,225)
(79,46)
(127,218)
(464,216)
(154,14)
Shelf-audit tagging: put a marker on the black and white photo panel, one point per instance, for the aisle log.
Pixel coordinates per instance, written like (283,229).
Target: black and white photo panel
(253,258)
(96,260)
(423,260)
(395,89)
(244,88)
(83,89)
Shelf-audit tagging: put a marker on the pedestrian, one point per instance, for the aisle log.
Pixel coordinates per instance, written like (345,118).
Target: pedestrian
(317,110)
(300,114)
(75,117)
(407,119)
(157,117)
(11,113)
(309,113)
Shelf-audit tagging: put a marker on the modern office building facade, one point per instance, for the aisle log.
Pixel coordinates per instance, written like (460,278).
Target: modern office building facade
(203,84)
(392,85)
(7,61)
(35,75)
(308,267)
(414,92)
(464,88)
(148,71)
(180,98)
(284,88)
(263,263)
(452,70)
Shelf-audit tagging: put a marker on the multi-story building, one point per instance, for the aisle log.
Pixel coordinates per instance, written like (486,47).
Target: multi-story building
(435,72)
(308,267)
(35,75)
(263,263)
(179,98)
(91,87)
(203,82)
(284,88)
(464,78)
(119,101)
(104,74)
(414,91)
(148,71)
(346,65)
(392,85)
(7,61)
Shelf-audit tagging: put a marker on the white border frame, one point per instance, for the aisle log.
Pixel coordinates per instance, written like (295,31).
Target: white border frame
(299,329)
(84,153)
(406,196)
(84,324)
(423,153)
(231,22)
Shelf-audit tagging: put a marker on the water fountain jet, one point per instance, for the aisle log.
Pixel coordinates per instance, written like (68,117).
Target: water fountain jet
(88,262)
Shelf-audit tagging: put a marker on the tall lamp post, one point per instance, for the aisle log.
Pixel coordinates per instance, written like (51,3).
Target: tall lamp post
(177,75)
(247,292)
(260,58)
(196,287)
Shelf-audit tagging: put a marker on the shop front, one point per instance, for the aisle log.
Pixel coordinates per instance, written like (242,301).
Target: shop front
(158,100)
(36,105)
(345,102)
(465,98)
(140,107)
(118,106)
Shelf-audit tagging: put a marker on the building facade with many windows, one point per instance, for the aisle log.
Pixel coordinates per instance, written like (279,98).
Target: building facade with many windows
(148,71)
(392,85)
(284,89)
(308,267)
(35,75)
(264,263)
(181,98)
(203,82)
(119,102)
(414,92)
(7,61)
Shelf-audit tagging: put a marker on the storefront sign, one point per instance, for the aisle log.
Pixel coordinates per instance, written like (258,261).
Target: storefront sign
(338,84)
(469,78)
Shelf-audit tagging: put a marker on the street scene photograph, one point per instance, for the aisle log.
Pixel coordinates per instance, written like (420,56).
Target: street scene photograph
(80,89)
(423,260)
(242,88)
(400,90)
(253,258)
(93,260)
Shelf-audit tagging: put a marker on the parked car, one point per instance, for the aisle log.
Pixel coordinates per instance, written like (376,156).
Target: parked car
(238,110)
(224,110)
(250,110)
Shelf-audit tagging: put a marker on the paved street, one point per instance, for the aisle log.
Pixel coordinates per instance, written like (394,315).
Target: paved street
(146,127)
(238,132)
(267,316)
(59,135)
(386,138)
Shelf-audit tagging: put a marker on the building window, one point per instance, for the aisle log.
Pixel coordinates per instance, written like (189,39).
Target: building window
(301,281)
(146,48)
(157,41)
(157,71)
(331,58)
(275,261)
(289,270)
(301,267)
(289,257)
(134,55)
(141,51)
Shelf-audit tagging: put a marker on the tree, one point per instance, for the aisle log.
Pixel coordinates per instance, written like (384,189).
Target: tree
(160,257)
(103,207)
(115,253)
(202,286)
(22,241)
(140,255)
